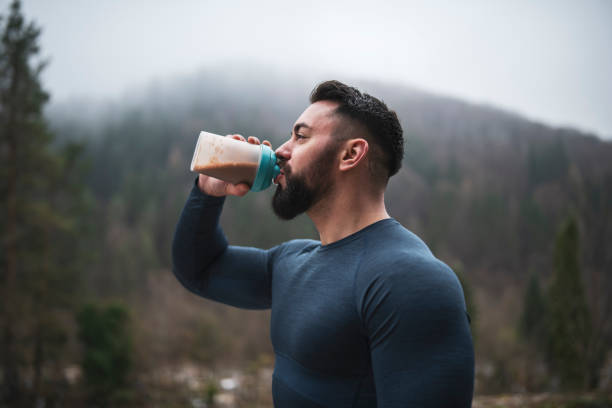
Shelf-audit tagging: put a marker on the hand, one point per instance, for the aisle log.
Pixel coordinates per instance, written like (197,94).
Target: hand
(220,188)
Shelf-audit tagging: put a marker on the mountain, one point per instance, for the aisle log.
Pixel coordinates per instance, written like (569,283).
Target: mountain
(485,188)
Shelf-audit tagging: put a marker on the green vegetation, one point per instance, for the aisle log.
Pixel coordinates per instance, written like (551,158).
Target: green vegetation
(42,228)
(559,326)
(569,319)
(104,332)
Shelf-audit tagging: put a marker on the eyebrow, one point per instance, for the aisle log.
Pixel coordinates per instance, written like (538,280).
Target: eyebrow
(300,125)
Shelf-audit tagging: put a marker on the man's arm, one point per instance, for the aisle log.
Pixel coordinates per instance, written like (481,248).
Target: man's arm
(202,260)
(420,342)
(205,264)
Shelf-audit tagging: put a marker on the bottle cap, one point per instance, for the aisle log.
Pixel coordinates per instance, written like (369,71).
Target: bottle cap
(267,170)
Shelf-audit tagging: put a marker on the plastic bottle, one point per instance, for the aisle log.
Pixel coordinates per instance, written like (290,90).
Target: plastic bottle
(234,161)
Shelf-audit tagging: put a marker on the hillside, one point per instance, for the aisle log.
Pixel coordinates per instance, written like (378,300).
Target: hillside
(485,188)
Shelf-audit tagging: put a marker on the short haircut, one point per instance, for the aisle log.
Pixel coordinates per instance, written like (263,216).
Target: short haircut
(382,125)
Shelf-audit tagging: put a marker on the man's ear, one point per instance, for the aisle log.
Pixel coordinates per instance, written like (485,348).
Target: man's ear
(353,152)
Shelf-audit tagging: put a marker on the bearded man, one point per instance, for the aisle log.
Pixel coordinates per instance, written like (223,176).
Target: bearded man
(364,317)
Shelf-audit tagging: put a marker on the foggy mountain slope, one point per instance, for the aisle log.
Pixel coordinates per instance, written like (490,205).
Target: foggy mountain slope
(216,99)
(246,100)
(486,188)
(283,96)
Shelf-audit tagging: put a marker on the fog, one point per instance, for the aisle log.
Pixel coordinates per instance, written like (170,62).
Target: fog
(547,60)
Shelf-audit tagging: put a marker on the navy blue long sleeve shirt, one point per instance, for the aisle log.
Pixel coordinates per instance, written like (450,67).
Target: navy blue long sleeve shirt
(373,319)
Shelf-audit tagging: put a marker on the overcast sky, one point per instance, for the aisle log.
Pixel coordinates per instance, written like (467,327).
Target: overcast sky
(550,60)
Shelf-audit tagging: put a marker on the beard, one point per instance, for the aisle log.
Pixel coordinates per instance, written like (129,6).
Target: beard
(302,191)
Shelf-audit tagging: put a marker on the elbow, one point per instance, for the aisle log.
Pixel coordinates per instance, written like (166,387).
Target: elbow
(181,265)
(184,268)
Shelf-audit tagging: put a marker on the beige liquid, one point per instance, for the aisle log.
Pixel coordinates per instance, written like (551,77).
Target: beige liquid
(231,172)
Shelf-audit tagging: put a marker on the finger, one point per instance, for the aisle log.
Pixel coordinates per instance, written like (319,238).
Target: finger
(267,143)
(236,189)
(238,137)
(253,140)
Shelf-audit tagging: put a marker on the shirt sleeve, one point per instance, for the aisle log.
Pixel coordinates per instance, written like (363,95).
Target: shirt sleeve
(206,265)
(420,342)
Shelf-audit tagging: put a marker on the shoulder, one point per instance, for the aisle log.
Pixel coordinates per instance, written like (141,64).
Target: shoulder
(396,254)
(420,279)
(398,266)
(294,247)
(300,245)
(389,238)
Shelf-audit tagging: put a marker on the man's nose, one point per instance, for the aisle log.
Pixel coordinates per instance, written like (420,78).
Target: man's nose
(283,152)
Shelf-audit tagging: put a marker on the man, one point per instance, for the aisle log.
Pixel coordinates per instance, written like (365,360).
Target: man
(366,316)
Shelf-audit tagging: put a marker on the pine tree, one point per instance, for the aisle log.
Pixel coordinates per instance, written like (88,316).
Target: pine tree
(569,319)
(42,199)
(104,332)
(21,99)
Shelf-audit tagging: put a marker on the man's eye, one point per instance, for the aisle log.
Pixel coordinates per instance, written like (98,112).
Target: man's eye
(298,136)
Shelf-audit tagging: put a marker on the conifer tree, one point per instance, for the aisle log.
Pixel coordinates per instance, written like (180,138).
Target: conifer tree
(104,332)
(42,199)
(21,99)
(569,319)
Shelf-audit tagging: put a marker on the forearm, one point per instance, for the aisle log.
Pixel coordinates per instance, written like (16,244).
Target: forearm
(205,264)
(198,239)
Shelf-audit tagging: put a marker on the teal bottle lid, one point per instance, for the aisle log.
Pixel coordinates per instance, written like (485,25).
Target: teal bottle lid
(267,170)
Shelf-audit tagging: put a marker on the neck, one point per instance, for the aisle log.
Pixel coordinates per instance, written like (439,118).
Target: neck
(346,211)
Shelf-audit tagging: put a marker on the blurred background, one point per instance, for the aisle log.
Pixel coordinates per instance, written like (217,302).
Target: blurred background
(507,175)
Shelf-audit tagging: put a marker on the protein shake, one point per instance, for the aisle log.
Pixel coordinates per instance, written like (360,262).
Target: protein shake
(234,161)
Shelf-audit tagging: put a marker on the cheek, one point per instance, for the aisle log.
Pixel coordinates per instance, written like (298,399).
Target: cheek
(304,157)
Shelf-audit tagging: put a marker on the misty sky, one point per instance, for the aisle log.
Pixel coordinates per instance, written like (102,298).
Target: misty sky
(550,60)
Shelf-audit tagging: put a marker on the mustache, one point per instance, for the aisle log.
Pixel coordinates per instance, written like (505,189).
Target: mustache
(282,163)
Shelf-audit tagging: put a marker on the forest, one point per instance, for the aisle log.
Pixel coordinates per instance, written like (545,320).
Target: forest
(91,314)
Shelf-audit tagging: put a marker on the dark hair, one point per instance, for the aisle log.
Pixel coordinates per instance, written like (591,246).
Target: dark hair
(381,123)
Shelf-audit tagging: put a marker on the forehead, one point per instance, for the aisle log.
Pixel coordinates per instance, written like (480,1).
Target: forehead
(319,116)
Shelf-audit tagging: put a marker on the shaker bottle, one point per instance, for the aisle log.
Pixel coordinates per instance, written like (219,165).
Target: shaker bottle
(234,161)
